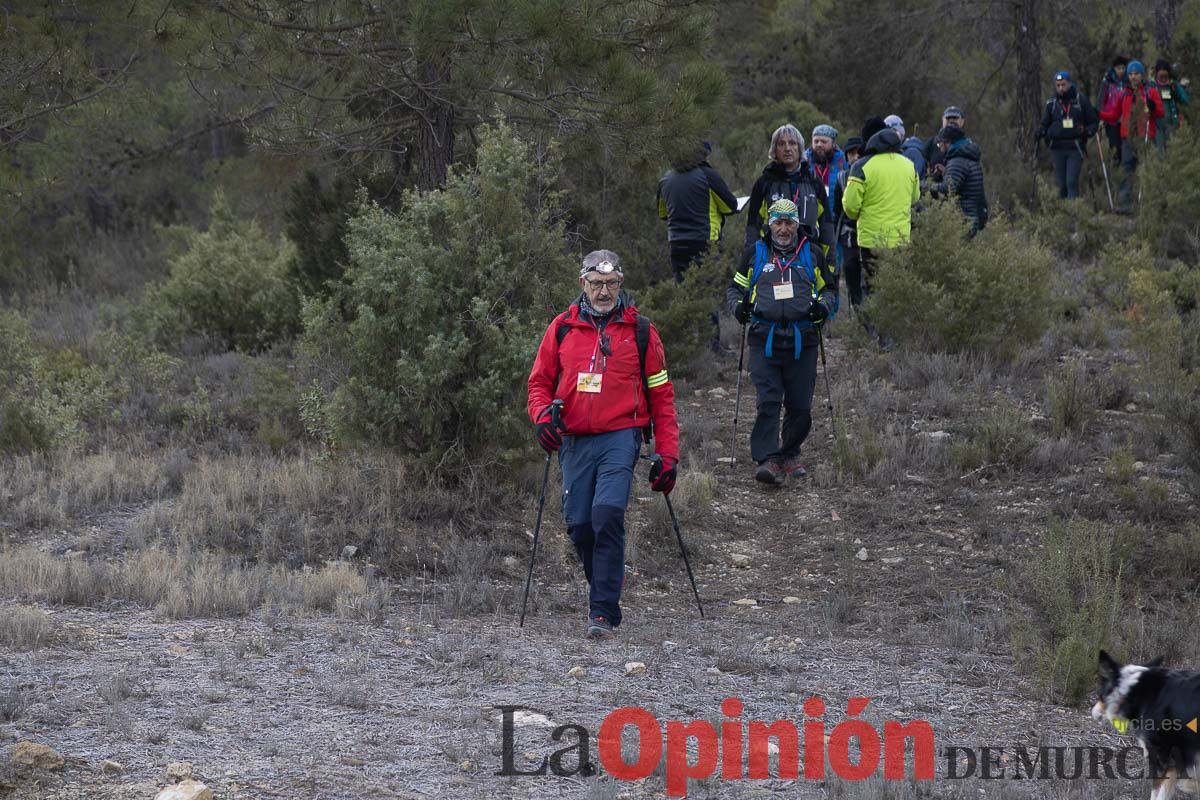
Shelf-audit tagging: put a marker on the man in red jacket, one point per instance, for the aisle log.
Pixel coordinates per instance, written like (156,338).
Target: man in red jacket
(1136,112)
(589,358)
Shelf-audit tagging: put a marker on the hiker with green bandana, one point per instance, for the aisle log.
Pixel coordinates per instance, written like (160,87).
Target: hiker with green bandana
(784,289)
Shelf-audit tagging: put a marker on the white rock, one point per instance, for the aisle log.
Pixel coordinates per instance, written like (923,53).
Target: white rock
(349,552)
(936,437)
(861,555)
(577,671)
(635,668)
(745,601)
(718,392)
(740,560)
(791,600)
(529,718)
(1131,407)
(725,460)
(187,790)
(112,768)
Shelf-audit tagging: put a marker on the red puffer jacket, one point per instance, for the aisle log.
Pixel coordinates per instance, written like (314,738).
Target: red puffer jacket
(1120,112)
(621,401)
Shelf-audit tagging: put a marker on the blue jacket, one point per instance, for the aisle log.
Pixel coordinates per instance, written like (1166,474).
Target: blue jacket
(836,163)
(914,150)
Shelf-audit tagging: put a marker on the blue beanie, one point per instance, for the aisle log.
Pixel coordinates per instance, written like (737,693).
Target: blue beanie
(825,130)
(1062,75)
(1136,66)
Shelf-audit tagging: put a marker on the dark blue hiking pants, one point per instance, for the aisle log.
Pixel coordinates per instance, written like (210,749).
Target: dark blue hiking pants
(597,475)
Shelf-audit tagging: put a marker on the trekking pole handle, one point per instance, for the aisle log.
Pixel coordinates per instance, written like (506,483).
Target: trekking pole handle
(556,415)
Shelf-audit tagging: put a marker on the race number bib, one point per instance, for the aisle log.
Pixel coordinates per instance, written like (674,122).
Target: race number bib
(784,291)
(1166,94)
(589,382)
(1068,123)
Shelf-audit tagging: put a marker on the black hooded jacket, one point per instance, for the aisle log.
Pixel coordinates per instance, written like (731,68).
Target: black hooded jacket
(964,180)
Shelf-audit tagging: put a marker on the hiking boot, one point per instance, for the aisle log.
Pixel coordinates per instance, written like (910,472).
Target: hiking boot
(599,628)
(770,472)
(794,468)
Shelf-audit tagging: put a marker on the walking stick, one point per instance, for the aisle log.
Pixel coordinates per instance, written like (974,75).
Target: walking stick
(556,421)
(828,390)
(679,538)
(1104,168)
(1145,149)
(737,403)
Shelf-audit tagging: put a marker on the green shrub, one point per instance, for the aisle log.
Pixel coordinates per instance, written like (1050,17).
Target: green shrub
(32,415)
(1070,399)
(1071,228)
(1001,439)
(430,339)
(949,292)
(1169,214)
(1072,588)
(230,285)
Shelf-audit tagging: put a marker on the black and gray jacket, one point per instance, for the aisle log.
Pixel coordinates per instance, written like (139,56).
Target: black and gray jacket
(804,188)
(963,180)
(1073,135)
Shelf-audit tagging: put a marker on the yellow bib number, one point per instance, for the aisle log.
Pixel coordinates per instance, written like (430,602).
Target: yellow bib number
(1068,123)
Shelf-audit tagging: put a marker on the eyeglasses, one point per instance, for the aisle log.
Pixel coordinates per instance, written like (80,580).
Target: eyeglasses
(611,285)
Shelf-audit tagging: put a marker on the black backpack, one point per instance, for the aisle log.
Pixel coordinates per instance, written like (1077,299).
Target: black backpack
(641,335)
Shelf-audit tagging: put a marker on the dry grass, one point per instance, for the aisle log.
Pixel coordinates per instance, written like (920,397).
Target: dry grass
(45,491)
(189,584)
(25,628)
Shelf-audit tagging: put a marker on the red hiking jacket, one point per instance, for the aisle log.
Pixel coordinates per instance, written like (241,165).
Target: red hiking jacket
(621,401)
(1120,111)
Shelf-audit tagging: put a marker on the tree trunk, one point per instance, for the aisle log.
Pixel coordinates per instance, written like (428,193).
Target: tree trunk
(1165,14)
(1028,101)
(433,140)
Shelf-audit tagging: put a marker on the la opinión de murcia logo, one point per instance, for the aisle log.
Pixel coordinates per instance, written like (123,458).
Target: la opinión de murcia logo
(738,750)
(853,750)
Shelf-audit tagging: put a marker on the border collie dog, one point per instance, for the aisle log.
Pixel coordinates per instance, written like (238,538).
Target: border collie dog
(1160,708)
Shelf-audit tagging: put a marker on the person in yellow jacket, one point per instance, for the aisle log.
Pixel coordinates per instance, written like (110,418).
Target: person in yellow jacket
(880,193)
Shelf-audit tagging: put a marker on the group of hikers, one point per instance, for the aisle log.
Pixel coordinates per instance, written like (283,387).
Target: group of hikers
(1138,113)
(599,387)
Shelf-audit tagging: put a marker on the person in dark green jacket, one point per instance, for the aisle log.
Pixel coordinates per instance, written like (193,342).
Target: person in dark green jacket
(1175,96)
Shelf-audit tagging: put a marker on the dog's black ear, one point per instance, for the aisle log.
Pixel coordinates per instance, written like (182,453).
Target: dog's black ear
(1158,662)
(1108,667)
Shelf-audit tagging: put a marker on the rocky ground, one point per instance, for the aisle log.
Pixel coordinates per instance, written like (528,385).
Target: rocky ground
(893,591)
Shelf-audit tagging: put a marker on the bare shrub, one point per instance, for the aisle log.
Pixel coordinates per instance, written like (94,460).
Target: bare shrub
(25,628)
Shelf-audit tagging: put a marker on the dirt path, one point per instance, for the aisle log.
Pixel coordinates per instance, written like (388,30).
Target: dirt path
(272,706)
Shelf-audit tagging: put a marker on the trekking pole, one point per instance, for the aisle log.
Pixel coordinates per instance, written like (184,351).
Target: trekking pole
(555,420)
(828,390)
(1104,168)
(679,537)
(737,403)
(1145,150)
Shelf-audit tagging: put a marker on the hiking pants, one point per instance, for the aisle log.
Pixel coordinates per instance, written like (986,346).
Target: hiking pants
(781,380)
(1129,163)
(597,473)
(1067,164)
(852,270)
(685,253)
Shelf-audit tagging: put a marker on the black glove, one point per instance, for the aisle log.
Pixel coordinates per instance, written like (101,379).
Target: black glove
(818,313)
(742,311)
(550,429)
(662,474)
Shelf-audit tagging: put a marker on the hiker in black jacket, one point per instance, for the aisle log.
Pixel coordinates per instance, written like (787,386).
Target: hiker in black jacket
(694,201)
(787,177)
(962,177)
(953,115)
(1068,123)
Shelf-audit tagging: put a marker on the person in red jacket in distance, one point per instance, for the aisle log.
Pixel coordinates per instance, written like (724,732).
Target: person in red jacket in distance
(589,358)
(1135,112)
